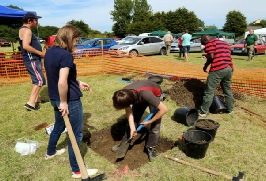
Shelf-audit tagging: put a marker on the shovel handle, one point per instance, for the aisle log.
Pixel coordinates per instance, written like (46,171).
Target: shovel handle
(147,118)
(83,170)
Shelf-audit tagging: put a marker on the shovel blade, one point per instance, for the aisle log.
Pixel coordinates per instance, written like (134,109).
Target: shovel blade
(121,153)
(96,178)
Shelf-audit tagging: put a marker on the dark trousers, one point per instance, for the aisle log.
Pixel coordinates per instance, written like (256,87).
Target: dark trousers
(181,51)
(222,77)
(154,132)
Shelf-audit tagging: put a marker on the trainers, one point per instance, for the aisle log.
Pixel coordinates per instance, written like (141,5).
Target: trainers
(201,114)
(151,153)
(58,152)
(91,172)
(30,108)
(231,113)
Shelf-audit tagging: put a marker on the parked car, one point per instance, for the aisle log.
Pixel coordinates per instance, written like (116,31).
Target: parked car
(144,45)
(174,46)
(195,46)
(96,43)
(81,40)
(4,43)
(239,47)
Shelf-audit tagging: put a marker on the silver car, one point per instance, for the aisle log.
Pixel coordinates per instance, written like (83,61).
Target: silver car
(195,46)
(134,45)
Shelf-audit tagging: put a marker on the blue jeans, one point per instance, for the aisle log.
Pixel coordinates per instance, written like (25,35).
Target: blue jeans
(76,121)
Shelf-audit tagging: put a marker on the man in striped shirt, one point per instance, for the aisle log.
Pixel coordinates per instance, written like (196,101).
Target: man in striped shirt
(220,72)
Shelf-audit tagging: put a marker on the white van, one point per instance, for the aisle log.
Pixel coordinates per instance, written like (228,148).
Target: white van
(145,34)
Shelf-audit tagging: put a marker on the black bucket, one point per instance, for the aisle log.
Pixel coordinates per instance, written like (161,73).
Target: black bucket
(197,143)
(186,116)
(208,126)
(218,105)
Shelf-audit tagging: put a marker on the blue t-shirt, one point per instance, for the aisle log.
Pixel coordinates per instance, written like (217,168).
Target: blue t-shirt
(186,39)
(55,59)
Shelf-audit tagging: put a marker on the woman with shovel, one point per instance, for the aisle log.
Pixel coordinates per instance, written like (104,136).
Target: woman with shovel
(64,93)
(135,98)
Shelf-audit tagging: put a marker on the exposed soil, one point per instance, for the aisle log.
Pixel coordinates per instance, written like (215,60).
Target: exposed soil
(102,142)
(206,123)
(188,92)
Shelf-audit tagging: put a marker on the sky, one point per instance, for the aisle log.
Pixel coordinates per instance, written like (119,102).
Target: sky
(96,13)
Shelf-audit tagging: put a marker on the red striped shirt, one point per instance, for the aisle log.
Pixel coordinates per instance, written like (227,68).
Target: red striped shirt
(222,54)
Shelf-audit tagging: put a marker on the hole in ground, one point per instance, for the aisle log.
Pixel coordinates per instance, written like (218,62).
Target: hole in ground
(103,140)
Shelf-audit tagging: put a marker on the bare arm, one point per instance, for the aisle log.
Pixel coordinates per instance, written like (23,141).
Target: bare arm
(63,89)
(26,39)
(162,109)
(130,118)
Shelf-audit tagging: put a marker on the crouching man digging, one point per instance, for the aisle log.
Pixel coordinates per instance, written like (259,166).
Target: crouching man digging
(135,98)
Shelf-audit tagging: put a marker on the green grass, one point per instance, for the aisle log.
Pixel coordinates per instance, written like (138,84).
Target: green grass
(239,144)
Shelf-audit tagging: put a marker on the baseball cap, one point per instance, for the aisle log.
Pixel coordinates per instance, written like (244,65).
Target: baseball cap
(31,15)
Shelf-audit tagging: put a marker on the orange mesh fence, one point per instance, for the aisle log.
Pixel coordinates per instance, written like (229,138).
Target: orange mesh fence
(95,62)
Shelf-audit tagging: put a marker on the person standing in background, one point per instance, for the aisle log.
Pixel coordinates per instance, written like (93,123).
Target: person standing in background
(250,42)
(168,40)
(31,50)
(179,40)
(186,43)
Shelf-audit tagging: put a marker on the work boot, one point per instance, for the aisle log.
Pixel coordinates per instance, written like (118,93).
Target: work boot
(151,153)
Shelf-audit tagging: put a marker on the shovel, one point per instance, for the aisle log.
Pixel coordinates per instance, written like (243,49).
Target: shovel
(123,148)
(83,170)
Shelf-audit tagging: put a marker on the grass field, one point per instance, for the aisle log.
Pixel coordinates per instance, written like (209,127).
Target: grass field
(238,146)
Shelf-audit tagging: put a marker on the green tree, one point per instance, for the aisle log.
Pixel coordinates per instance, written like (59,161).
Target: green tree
(122,16)
(236,23)
(83,27)
(181,19)
(210,27)
(141,11)
(263,23)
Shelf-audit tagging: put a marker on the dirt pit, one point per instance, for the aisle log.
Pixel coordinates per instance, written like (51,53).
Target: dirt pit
(102,142)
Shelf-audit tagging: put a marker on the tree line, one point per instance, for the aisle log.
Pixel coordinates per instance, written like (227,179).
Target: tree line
(136,17)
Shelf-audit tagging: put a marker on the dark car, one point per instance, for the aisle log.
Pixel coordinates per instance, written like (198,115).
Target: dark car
(239,47)
(4,43)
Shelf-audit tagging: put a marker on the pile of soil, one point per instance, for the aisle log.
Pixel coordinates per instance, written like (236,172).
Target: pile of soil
(187,93)
(206,123)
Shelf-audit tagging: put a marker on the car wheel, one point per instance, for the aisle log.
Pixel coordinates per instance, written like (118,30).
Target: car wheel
(163,51)
(133,53)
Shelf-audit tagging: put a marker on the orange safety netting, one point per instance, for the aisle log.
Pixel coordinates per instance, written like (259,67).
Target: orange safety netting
(95,62)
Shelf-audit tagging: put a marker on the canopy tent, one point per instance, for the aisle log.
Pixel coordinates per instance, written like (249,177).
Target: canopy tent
(158,33)
(261,33)
(162,33)
(213,32)
(11,16)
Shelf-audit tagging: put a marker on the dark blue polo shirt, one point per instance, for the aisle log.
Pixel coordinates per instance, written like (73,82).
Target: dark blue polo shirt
(55,59)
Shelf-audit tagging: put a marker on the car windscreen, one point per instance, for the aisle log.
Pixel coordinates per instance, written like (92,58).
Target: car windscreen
(240,42)
(88,42)
(130,41)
